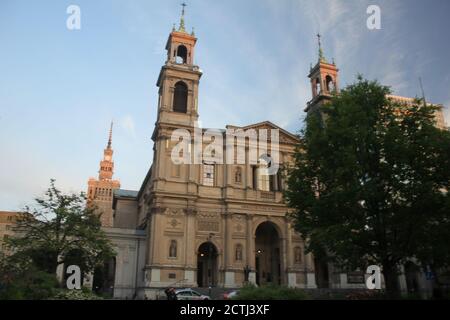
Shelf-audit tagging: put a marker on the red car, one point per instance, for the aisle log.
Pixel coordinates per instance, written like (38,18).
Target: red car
(230,295)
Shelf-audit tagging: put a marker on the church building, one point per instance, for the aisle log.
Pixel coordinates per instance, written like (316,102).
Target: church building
(207,224)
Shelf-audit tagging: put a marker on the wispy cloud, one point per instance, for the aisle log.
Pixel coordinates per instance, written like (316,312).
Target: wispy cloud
(127,124)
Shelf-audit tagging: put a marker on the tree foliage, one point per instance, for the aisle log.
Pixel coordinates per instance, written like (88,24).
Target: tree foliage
(370,179)
(59,229)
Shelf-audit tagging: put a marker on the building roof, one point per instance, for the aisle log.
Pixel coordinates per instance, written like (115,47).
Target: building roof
(268,124)
(125,193)
(408,100)
(10,212)
(5,214)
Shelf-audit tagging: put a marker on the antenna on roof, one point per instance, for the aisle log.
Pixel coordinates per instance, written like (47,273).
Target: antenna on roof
(423,92)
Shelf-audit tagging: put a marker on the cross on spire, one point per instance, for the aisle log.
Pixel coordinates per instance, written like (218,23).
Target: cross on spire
(321,57)
(181,28)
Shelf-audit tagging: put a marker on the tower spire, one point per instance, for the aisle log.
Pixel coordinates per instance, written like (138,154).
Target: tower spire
(321,56)
(110,135)
(181,28)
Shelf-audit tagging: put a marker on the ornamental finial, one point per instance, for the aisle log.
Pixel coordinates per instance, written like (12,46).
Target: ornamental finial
(321,56)
(181,28)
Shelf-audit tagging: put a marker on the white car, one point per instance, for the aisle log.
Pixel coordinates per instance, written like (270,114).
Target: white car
(189,294)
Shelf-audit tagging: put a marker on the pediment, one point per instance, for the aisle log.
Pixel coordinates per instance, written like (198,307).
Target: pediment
(285,136)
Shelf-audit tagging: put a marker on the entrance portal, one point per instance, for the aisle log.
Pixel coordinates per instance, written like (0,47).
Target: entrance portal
(321,268)
(207,265)
(267,259)
(412,274)
(104,278)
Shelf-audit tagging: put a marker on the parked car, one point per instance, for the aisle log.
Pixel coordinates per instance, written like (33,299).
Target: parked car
(189,294)
(230,295)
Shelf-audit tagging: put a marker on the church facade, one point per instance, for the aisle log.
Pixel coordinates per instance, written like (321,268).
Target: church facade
(208,223)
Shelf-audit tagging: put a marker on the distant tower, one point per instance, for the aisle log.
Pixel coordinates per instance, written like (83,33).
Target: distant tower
(100,191)
(324,81)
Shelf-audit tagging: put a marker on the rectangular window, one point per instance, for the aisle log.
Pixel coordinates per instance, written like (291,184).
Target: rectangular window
(255,177)
(279,181)
(272,185)
(208,175)
(176,170)
(263,180)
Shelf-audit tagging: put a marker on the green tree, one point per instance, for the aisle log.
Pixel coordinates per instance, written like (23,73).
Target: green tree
(21,279)
(369,184)
(60,229)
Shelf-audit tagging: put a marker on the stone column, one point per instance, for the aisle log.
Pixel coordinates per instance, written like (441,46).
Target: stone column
(228,168)
(152,269)
(283,260)
(310,273)
(292,277)
(161,152)
(251,249)
(248,171)
(190,250)
(402,280)
(229,274)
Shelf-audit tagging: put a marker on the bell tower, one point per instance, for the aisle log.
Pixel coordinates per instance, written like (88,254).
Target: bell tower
(324,81)
(178,80)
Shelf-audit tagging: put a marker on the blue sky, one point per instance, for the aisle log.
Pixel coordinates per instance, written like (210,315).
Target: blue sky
(59,89)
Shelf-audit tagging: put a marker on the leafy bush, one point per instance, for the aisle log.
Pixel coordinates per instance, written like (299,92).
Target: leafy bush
(367,295)
(270,292)
(32,285)
(83,294)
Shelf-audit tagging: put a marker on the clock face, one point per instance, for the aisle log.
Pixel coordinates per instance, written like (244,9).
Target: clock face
(108,158)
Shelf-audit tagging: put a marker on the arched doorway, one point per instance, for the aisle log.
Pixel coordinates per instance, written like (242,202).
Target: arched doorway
(321,273)
(268,254)
(207,265)
(104,277)
(412,274)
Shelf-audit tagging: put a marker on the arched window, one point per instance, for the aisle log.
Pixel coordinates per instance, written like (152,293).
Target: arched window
(329,83)
(298,255)
(265,180)
(181,54)
(180,97)
(173,249)
(238,254)
(208,174)
(238,175)
(317,86)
